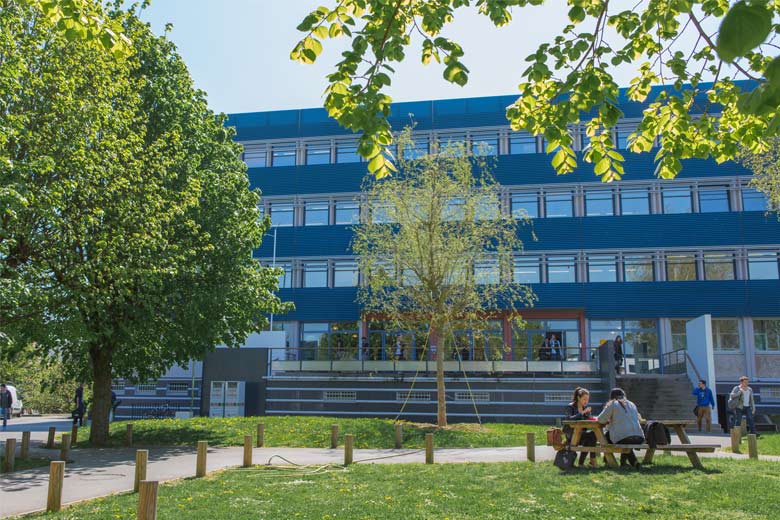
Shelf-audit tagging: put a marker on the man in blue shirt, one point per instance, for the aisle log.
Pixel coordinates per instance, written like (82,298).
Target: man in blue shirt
(704,403)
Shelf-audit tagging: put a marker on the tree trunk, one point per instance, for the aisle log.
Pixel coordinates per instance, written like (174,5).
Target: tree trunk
(101,396)
(441,408)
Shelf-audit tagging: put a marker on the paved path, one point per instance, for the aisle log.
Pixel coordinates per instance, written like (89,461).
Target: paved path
(99,472)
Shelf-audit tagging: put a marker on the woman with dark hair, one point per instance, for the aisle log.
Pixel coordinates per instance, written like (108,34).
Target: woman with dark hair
(622,419)
(579,410)
(619,355)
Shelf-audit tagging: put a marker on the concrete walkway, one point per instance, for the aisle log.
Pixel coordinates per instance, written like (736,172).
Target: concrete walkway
(98,472)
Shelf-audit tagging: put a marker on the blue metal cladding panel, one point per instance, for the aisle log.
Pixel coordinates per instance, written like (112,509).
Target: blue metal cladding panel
(303,180)
(322,241)
(601,300)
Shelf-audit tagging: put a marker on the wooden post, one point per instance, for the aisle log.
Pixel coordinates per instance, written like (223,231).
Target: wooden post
(56,477)
(429,448)
(348,442)
(141,459)
(530,446)
(50,440)
(743,427)
(10,455)
(752,446)
(25,445)
(147,500)
(129,435)
(260,435)
(247,451)
(200,464)
(65,447)
(74,434)
(334,436)
(735,439)
(399,436)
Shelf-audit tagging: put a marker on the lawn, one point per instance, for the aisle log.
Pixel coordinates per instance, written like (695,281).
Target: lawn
(22,464)
(670,489)
(314,432)
(768,444)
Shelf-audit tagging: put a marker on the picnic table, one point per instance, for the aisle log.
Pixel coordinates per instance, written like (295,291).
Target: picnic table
(609,450)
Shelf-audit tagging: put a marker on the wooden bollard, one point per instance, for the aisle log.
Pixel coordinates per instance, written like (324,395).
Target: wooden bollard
(334,436)
(65,447)
(50,440)
(147,500)
(10,455)
(200,463)
(260,434)
(25,453)
(348,444)
(74,434)
(735,439)
(247,451)
(743,427)
(752,446)
(530,446)
(429,448)
(399,436)
(141,460)
(129,435)
(56,477)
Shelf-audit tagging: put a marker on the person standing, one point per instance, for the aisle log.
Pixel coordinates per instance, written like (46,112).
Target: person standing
(745,404)
(704,403)
(6,400)
(619,354)
(78,401)
(555,348)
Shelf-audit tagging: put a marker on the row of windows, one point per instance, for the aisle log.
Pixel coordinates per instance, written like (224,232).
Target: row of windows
(726,335)
(481,142)
(563,268)
(550,204)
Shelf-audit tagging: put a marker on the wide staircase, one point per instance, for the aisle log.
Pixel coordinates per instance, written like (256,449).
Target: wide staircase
(660,396)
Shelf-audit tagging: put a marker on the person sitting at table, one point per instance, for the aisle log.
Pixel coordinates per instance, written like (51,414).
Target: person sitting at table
(623,420)
(578,410)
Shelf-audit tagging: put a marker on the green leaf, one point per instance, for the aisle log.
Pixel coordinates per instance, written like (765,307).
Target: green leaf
(602,166)
(576,14)
(744,27)
(772,72)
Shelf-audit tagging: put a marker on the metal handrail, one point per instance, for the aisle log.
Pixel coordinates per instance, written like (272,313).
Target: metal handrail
(688,360)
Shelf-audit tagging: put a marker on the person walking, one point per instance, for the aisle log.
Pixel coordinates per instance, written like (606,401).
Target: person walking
(6,400)
(78,401)
(743,403)
(704,403)
(622,418)
(619,354)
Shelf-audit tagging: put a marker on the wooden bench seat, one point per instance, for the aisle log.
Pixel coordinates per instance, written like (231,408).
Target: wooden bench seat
(625,448)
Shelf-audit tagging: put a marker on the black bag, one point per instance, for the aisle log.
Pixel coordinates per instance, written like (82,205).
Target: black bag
(696,410)
(564,459)
(657,434)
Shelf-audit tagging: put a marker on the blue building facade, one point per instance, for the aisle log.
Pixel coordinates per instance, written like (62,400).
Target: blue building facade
(636,258)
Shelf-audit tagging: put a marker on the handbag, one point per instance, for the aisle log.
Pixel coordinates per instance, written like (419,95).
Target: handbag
(696,410)
(555,439)
(564,459)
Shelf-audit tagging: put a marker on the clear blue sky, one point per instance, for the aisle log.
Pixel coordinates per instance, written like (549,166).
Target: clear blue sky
(238,52)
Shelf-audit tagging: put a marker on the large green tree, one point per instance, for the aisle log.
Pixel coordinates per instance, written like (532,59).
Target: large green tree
(128,224)
(436,249)
(572,78)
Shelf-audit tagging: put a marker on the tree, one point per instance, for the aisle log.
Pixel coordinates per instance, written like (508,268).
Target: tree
(436,249)
(766,173)
(571,79)
(126,244)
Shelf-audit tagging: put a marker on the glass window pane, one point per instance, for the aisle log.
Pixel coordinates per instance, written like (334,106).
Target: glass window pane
(602,268)
(634,202)
(346,152)
(526,270)
(484,144)
(598,203)
(766,334)
(420,146)
(679,335)
(454,209)
(725,334)
(487,271)
(318,153)
(285,279)
(316,213)
(283,155)
(559,205)
(677,200)
(521,142)
(281,214)
(525,205)
(561,269)
(762,266)
(753,200)
(255,157)
(347,212)
(315,274)
(680,267)
(712,200)
(345,274)
(638,268)
(718,267)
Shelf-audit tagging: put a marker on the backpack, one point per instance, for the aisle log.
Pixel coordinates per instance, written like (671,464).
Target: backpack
(564,459)
(657,434)
(555,438)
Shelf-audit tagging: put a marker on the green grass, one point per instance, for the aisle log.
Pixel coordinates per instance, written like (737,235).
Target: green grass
(768,444)
(22,464)
(314,432)
(668,490)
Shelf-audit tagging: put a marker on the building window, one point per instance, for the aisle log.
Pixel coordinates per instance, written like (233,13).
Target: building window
(345,274)
(323,341)
(178,387)
(725,335)
(318,153)
(339,395)
(718,266)
(602,268)
(419,147)
(451,140)
(454,209)
(346,152)
(561,269)
(283,155)
(282,214)
(412,396)
(714,200)
(316,213)
(621,134)
(679,334)
(599,203)
(559,205)
(285,279)
(753,200)
(762,266)
(380,214)
(525,205)
(521,142)
(680,267)
(634,202)
(347,212)
(487,271)
(766,334)
(255,156)
(526,270)
(638,268)
(315,274)
(677,200)
(484,144)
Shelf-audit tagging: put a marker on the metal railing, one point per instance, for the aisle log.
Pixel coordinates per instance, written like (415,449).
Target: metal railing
(156,410)
(679,362)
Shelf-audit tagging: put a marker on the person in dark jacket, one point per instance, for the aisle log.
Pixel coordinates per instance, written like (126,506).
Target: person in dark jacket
(80,409)
(578,410)
(704,403)
(619,354)
(6,400)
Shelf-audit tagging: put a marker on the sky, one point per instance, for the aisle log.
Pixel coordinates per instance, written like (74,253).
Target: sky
(238,52)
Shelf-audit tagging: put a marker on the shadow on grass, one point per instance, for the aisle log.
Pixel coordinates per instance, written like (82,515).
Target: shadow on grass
(645,469)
